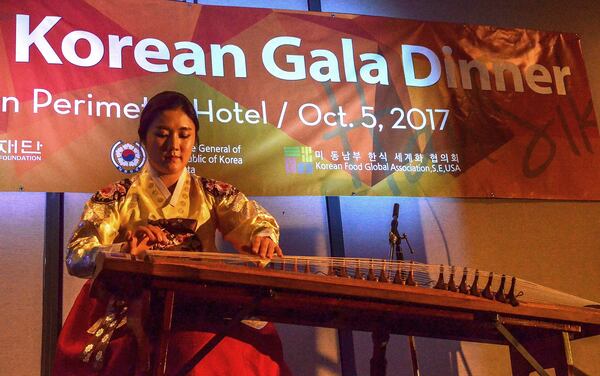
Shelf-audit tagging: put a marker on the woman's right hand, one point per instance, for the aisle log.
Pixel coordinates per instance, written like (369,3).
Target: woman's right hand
(142,238)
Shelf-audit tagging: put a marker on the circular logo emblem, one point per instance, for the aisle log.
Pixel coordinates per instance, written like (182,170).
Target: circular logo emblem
(128,158)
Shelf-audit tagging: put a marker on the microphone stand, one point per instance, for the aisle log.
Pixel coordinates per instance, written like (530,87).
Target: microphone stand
(395,240)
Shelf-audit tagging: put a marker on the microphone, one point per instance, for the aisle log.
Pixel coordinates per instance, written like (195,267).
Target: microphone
(394,224)
(394,236)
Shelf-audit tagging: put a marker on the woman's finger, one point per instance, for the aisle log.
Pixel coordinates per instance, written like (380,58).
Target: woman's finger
(270,248)
(158,233)
(139,250)
(144,231)
(278,251)
(256,245)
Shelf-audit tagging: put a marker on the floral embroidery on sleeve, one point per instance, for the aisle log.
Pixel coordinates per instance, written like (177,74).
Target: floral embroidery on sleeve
(112,192)
(219,188)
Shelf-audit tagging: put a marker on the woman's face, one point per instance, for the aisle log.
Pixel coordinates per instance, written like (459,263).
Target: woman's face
(169,143)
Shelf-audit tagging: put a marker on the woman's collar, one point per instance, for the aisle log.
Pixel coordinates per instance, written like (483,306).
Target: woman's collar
(173,198)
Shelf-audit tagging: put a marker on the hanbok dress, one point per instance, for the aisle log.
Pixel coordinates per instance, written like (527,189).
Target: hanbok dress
(95,339)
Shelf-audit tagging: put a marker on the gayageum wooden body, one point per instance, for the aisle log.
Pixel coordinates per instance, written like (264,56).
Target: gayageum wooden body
(369,295)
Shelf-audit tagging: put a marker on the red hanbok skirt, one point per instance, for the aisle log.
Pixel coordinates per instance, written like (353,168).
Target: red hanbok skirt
(245,352)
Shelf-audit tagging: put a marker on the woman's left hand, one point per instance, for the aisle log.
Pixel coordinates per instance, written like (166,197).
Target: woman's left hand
(142,238)
(265,247)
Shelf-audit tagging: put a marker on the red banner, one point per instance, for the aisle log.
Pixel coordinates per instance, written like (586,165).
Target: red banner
(296,103)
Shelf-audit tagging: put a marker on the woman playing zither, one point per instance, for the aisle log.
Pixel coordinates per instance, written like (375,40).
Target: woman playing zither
(164,207)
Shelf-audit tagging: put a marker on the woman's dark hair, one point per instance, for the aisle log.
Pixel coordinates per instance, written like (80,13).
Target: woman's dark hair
(167,100)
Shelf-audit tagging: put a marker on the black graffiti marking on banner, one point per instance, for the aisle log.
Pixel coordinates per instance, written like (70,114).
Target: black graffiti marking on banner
(539,133)
(582,122)
(565,126)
